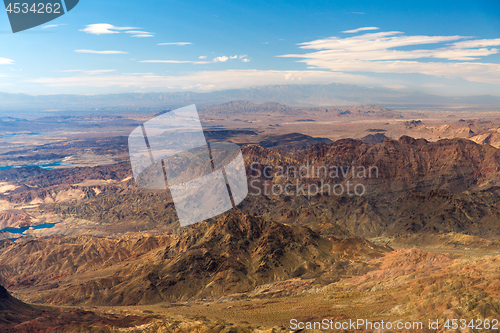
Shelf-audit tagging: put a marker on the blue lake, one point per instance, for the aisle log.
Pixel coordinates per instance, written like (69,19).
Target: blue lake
(13,134)
(21,230)
(47,166)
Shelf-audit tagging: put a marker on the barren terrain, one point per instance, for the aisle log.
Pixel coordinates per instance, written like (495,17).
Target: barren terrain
(422,242)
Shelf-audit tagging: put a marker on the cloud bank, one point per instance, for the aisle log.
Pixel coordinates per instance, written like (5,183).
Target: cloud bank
(381,53)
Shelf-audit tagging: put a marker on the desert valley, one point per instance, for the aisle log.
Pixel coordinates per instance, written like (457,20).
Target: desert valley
(86,250)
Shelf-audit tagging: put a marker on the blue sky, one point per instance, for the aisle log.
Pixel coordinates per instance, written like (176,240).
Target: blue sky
(441,47)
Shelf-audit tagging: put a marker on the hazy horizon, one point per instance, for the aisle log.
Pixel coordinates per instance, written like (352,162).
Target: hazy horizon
(297,95)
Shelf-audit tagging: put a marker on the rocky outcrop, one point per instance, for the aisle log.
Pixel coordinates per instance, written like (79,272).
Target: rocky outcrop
(233,254)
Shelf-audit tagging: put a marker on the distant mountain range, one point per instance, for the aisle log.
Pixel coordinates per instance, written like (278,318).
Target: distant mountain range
(293,95)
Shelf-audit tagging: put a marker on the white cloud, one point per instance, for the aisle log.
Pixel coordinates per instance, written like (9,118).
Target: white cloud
(375,52)
(374,41)
(243,56)
(5,61)
(221,59)
(360,29)
(138,33)
(104,28)
(100,52)
(177,43)
(476,43)
(51,26)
